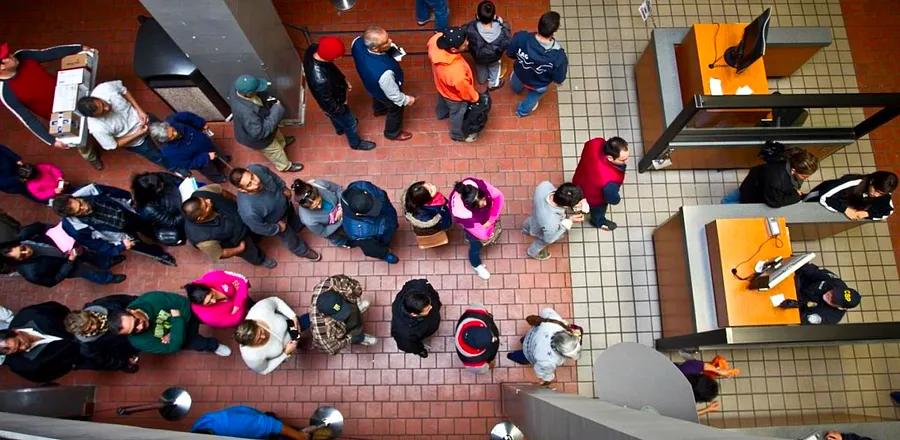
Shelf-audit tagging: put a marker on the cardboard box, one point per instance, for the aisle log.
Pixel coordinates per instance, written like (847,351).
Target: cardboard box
(82,59)
(66,96)
(64,124)
(73,76)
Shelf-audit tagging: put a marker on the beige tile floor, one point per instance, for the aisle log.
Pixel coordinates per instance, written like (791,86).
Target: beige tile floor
(613,278)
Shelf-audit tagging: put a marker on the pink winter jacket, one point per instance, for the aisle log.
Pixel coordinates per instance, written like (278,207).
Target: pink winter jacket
(44,183)
(235,287)
(461,214)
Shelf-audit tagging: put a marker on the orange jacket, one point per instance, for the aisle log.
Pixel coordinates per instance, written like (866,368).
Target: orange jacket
(452,75)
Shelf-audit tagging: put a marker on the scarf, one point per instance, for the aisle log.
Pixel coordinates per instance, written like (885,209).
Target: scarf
(102,327)
(437,200)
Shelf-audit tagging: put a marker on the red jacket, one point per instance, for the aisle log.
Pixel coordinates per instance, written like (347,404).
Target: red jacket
(595,171)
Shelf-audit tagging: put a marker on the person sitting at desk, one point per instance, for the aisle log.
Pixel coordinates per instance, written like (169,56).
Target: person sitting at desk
(822,296)
(859,197)
(776,182)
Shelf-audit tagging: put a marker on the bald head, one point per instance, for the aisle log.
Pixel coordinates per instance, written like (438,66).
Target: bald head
(376,38)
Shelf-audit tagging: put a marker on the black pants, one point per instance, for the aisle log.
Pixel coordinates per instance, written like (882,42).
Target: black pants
(252,253)
(394,122)
(290,237)
(193,340)
(372,248)
(152,250)
(213,170)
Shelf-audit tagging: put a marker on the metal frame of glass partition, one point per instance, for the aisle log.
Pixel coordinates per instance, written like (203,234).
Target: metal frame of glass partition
(679,135)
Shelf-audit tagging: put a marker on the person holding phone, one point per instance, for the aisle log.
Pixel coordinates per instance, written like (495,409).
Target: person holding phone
(554,212)
(270,334)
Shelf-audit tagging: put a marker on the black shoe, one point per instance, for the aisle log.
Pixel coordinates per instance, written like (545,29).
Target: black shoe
(118,278)
(227,158)
(312,255)
(131,368)
(295,167)
(364,145)
(168,260)
(269,263)
(97,164)
(609,225)
(118,259)
(423,354)
(288,140)
(789,304)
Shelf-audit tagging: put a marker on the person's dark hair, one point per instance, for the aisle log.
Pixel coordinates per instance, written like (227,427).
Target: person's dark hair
(415,302)
(146,188)
(25,171)
(882,181)
(191,208)
(568,194)
(235,176)
(114,320)
(196,292)
(6,334)
(245,332)
(304,192)
(614,147)
(60,204)
(705,389)
(486,11)
(470,194)
(548,24)
(417,196)
(802,161)
(6,248)
(87,106)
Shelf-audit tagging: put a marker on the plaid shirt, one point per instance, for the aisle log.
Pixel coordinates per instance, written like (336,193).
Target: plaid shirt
(329,334)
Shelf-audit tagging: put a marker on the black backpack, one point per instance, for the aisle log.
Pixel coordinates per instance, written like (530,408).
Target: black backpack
(477,115)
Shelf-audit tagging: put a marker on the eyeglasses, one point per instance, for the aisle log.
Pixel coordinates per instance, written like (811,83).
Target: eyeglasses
(307,197)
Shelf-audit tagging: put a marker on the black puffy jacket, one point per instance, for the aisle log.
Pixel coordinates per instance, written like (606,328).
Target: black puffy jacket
(326,83)
(409,331)
(482,51)
(165,211)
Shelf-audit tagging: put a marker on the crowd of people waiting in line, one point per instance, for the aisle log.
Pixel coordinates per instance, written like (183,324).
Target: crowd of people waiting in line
(101,224)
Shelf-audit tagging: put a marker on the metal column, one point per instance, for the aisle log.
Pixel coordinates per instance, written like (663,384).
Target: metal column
(228,38)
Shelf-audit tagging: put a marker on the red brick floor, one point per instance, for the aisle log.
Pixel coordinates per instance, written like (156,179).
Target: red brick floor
(381,392)
(873,28)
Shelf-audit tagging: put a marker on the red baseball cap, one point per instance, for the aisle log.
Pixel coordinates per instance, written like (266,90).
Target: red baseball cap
(330,48)
(4,50)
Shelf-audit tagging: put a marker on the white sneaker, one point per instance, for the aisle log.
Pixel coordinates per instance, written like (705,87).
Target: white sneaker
(482,272)
(472,137)
(363,305)
(223,350)
(368,340)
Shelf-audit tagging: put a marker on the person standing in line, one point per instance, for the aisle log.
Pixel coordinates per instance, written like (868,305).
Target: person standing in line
(115,119)
(377,61)
(453,79)
(370,220)
(538,61)
(264,204)
(90,326)
(162,323)
(38,182)
(477,339)
(157,200)
(476,205)
(27,89)
(213,225)
(426,209)
(36,257)
(335,314)
(776,182)
(488,36)
(554,212)
(859,197)
(269,335)
(219,298)
(330,89)
(416,315)
(256,118)
(433,10)
(186,145)
(600,174)
(320,209)
(550,342)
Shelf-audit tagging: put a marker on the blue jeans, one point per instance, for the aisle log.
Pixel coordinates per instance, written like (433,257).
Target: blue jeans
(346,123)
(518,357)
(598,215)
(475,246)
(441,12)
(531,99)
(732,197)
(149,151)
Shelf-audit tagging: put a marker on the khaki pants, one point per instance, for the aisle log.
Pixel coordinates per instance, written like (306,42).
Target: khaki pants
(89,151)
(275,152)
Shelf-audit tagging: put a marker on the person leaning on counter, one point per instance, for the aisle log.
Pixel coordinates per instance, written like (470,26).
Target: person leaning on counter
(822,296)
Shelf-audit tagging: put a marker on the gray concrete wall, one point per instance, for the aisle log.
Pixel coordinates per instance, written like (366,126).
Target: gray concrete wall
(14,425)
(228,38)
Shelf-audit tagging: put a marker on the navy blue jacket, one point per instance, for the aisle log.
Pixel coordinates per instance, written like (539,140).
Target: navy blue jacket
(381,227)
(84,236)
(9,180)
(534,65)
(371,66)
(812,282)
(191,150)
